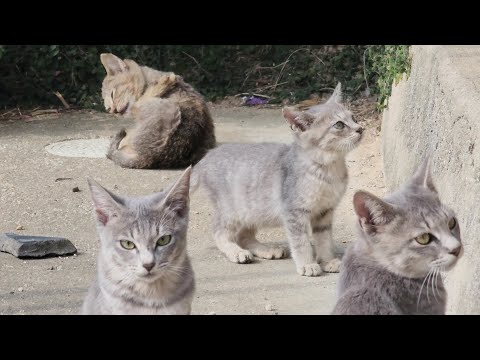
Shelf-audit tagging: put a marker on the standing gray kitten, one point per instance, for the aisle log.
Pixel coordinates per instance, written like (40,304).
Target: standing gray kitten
(143,266)
(297,186)
(404,242)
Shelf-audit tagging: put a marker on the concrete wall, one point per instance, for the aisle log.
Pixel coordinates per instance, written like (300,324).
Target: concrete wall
(437,111)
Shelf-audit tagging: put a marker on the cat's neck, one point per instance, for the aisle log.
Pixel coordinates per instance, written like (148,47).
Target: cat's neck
(319,157)
(330,167)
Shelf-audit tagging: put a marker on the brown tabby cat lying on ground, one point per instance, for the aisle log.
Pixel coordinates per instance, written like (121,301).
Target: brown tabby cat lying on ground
(173,129)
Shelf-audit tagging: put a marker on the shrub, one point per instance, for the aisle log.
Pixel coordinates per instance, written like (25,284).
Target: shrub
(30,74)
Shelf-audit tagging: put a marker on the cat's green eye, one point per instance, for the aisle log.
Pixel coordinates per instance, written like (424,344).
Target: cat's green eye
(452,223)
(423,239)
(339,125)
(127,245)
(164,240)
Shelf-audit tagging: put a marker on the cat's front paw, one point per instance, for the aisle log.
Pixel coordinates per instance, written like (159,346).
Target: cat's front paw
(241,257)
(333,266)
(310,270)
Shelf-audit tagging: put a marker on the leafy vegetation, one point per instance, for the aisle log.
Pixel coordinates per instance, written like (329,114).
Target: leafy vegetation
(31,74)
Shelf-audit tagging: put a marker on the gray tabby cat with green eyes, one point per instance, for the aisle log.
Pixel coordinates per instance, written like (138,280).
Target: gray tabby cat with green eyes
(297,186)
(404,242)
(143,266)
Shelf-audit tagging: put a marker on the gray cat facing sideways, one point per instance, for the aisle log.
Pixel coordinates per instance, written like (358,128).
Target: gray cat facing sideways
(143,266)
(404,241)
(297,186)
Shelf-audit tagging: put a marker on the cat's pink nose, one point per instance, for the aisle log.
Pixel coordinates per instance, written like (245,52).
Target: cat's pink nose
(149,266)
(456,251)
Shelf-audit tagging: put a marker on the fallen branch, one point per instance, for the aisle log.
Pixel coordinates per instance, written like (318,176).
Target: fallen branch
(57,94)
(250,94)
(274,86)
(42,112)
(8,112)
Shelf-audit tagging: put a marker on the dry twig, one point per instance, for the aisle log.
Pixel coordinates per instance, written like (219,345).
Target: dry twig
(57,94)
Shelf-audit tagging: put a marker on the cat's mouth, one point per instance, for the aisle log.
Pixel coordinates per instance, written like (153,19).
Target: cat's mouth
(445,263)
(151,274)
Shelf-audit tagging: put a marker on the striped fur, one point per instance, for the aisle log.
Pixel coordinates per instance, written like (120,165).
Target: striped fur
(173,126)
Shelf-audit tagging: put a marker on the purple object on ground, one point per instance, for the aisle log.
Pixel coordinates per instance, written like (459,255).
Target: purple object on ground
(254,100)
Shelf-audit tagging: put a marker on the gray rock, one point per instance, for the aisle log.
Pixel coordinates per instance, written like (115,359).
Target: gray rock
(25,246)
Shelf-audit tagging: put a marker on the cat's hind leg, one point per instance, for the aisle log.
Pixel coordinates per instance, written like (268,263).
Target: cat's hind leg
(226,240)
(116,142)
(246,239)
(123,154)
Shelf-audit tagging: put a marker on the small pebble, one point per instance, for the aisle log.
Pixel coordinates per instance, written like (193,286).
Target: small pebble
(269,307)
(20,227)
(20,289)
(76,189)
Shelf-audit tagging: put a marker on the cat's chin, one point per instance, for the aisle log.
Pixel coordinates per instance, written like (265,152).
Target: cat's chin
(350,145)
(148,277)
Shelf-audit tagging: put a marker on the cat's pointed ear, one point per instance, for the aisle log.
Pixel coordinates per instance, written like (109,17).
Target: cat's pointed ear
(132,66)
(422,176)
(113,64)
(178,199)
(372,212)
(107,205)
(337,95)
(299,119)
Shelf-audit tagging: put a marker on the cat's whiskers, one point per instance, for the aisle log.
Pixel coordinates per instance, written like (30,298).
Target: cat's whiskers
(434,282)
(421,288)
(178,270)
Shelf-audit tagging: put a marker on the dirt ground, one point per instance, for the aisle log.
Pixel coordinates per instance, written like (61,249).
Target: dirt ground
(31,198)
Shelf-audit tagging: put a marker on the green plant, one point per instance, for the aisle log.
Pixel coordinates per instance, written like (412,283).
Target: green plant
(31,74)
(386,64)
